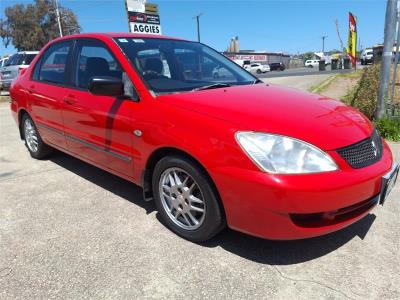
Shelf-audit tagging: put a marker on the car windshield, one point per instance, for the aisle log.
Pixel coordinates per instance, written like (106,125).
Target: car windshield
(169,66)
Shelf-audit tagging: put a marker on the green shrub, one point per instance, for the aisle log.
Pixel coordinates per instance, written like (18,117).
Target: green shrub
(389,129)
(365,94)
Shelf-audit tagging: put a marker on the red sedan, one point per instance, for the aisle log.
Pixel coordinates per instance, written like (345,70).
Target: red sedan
(211,151)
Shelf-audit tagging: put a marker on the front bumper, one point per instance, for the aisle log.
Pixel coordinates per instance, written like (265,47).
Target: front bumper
(269,206)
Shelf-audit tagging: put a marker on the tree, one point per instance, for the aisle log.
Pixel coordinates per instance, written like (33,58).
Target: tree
(31,26)
(308,55)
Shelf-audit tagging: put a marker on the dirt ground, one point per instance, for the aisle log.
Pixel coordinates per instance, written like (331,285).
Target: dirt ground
(340,87)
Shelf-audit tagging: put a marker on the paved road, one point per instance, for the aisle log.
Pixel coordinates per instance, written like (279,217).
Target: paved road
(306,72)
(301,72)
(298,82)
(69,230)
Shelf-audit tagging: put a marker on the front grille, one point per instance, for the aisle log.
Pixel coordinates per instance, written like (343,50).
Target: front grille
(364,153)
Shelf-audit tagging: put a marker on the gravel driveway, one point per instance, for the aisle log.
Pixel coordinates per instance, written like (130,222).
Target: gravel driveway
(69,230)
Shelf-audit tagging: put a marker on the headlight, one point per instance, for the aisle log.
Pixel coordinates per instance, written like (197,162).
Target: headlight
(284,155)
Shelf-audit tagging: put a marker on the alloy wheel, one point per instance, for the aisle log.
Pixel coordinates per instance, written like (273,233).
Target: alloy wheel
(31,136)
(182,198)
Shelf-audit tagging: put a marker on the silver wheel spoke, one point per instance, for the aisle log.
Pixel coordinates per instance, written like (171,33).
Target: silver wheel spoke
(192,187)
(192,218)
(198,209)
(171,180)
(195,199)
(186,219)
(166,188)
(185,181)
(177,179)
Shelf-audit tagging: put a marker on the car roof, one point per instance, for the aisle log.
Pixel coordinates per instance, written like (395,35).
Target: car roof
(112,35)
(27,52)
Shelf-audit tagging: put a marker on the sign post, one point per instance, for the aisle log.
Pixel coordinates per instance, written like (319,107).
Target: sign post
(143,17)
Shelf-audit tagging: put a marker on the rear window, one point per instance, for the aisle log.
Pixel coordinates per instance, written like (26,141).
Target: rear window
(20,59)
(27,59)
(13,61)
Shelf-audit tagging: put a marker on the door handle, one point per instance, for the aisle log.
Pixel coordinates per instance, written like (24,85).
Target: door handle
(69,100)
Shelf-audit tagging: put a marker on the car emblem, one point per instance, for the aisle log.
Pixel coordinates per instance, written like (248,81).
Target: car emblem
(375,149)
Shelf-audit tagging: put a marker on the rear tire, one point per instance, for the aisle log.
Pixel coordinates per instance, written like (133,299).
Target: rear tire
(259,71)
(186,200)
(33,141)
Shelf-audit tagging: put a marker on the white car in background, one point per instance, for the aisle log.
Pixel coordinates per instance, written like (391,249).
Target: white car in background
(2,64)
(311,63)
(221,72)
(257,68)
(367,56)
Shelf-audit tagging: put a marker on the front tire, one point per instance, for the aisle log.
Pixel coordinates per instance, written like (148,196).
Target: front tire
(186,200)
(259,71)
(33,142)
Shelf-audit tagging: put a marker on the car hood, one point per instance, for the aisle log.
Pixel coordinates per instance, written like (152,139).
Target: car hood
(321,121)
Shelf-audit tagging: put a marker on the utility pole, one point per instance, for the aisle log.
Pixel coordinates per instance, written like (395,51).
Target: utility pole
(198,25)
(396,59)
(58,18)
(390,24)
(323,43)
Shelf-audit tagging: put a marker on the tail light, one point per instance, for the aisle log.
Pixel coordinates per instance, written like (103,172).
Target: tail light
(21,71)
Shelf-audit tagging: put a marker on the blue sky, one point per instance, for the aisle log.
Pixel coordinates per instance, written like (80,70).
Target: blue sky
(290,26)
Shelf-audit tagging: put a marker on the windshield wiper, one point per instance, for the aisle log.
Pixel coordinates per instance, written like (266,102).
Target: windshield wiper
(212,86)
(258,81)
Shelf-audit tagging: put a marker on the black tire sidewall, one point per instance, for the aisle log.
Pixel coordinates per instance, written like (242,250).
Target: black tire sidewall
(213,222)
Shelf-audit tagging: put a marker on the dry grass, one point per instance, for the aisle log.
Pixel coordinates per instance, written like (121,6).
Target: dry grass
(4,99)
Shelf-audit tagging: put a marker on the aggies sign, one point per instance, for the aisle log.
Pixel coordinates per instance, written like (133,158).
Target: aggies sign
(144,23)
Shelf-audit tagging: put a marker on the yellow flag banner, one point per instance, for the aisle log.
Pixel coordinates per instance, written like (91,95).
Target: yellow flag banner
(352,43)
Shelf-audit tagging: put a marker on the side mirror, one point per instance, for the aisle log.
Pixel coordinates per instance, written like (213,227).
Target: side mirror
(106,86)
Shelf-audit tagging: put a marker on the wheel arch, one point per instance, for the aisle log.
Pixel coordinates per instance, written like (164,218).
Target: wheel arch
(160,153)
(21,114)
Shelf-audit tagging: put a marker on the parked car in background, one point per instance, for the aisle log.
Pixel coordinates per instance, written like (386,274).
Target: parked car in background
(14,65)
(268,161)
(277,66)
(257,68)
(242,62)
(312,63)
(367,56)
(2,63)
(221,72)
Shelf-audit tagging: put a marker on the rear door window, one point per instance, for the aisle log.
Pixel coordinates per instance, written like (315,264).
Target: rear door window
(52,66)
